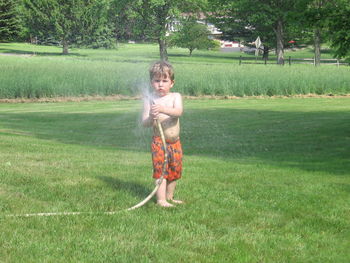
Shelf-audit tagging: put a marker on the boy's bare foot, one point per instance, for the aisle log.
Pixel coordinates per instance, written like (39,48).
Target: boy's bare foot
(176,201)
(164,203)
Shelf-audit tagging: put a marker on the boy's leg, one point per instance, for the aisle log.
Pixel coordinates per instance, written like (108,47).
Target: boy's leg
(170,192)
(161,194)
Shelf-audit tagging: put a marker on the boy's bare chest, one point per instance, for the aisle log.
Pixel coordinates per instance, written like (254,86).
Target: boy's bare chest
(167,101)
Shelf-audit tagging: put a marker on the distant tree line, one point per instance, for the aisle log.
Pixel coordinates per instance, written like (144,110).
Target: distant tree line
(279,21)
(102,23)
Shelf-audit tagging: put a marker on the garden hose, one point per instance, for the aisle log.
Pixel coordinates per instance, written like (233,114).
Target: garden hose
(160,180)
(143,202)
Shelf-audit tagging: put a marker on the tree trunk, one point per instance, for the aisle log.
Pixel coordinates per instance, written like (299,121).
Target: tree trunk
(317,46)
(280,48)
(163,49)
(65,47)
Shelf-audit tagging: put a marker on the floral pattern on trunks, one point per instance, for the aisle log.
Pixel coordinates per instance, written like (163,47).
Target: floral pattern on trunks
(174,165)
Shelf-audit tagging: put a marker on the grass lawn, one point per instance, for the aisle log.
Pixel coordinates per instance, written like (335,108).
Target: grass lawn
(148,52)
(265,180)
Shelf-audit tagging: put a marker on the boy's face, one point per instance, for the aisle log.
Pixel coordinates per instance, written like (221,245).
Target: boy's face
(162,85)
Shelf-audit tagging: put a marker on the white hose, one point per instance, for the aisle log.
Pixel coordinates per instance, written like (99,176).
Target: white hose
(143,202)
(160,180)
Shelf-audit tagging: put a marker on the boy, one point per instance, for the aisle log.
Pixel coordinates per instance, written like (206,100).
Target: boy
(167,108)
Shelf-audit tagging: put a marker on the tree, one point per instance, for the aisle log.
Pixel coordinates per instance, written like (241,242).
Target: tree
(234,28)
(158,15)
(98,28)
(126,22)
(192,35)
(259,17)
(314,20)
(153,17)
(338,26)
(9,20)
(329,21)
(68,21)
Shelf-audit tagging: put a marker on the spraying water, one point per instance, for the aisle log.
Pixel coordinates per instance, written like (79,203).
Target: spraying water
(139,131)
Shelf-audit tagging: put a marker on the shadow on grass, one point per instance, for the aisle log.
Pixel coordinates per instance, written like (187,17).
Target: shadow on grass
(135,189)
(23,52)
(312,141)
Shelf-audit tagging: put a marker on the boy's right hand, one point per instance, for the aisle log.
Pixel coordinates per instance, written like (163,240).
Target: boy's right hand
(153,115)
(155,110)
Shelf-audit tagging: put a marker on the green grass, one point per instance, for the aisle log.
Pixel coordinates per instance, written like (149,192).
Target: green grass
(88,72)
(265,180)
(148,52)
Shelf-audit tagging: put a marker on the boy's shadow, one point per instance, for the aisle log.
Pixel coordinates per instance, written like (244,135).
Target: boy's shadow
(130,187)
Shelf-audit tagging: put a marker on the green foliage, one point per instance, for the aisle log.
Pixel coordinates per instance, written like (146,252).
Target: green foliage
(9,20)
(306,21)
(339,24)
(272,21)
(127,24)
(192,35)
(149,19)
(67,21)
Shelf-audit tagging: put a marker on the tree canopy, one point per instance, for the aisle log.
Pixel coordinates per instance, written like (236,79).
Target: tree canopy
(65,20)
(153,17)
(268,19)
(339,25)
(100,23)
(192,35)
(9,20)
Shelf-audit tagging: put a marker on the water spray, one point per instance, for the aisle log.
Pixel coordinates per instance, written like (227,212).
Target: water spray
(143,202)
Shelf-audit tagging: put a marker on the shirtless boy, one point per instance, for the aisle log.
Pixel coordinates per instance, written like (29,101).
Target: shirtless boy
(165,106)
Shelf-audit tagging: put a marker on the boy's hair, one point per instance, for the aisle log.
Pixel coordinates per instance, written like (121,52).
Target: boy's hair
(162,69)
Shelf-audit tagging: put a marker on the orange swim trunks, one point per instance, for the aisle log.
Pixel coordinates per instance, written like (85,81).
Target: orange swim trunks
(174,165)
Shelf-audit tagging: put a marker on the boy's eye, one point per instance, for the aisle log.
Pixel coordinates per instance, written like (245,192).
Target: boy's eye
(160,80)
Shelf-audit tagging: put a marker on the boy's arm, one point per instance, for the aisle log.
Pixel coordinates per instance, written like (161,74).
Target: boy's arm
(175,111)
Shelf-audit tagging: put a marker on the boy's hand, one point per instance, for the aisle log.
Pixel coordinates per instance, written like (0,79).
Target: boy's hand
(158,182)
(155,110)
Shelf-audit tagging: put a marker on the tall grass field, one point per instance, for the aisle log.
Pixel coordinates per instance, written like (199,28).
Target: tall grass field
(265,180)
(29,71)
